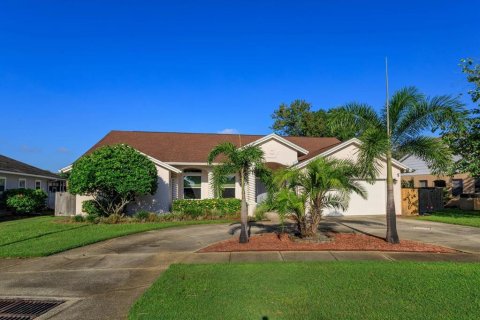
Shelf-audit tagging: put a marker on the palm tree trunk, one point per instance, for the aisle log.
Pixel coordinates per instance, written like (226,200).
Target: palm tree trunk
(243,213)
(392,235)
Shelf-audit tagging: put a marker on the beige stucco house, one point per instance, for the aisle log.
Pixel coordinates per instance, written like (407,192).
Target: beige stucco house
(183,172)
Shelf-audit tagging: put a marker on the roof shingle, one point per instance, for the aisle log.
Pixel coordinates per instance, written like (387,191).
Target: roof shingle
(15,166)
(195,147)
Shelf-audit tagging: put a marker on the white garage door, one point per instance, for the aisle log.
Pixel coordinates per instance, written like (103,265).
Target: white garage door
(375,204)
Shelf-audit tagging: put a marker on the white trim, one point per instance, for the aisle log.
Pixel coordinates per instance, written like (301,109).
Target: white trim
(22,179)
(279,139)
(191,163)
(340,147)
(40,181)
(161,164)
(156,161)
(66,169)
(30,175)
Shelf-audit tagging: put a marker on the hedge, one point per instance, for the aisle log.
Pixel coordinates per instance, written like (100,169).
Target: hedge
(25,200)
(229,206)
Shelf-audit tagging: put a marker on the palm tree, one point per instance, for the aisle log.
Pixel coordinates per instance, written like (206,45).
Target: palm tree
(242,161)
(411,115)
(322,184)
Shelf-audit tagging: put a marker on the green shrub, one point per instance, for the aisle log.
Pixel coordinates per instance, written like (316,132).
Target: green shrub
(197,208)
(91,207)
(142,215)
(113,219)
(25,200)
(261,210)
(78,218)
(92,218)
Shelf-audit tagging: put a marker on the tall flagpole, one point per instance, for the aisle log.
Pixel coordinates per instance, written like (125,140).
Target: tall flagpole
(386,99)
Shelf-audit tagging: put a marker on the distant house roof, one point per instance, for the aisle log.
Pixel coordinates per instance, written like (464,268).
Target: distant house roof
(9,165)
(172,147)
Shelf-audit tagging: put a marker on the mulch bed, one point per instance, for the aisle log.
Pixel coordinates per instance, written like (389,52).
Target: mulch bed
(339,242)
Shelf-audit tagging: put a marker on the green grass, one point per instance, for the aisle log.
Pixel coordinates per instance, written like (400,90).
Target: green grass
(314,290)
(455,216)
(43,236)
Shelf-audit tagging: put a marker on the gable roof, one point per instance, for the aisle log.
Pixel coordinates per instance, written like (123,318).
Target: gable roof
(173,147)
(9,165)
(339,146)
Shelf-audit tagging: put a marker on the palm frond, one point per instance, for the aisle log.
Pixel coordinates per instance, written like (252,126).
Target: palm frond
(400,103)
(373,148)
(440,112)
(354,117)
(433,151)
(227,148)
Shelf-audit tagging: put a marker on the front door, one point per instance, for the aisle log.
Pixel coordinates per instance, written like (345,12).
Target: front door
(260,191)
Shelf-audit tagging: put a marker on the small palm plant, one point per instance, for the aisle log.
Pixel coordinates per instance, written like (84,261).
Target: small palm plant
(242,161)
(323,184)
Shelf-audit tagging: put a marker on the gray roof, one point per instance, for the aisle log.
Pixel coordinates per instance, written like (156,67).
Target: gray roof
(17,167)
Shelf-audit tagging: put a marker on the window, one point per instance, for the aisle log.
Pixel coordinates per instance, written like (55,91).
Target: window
(38,184)
(3,184)
(439,183)
(192,184)
(457,187)
(22,183)
(477,185)
(229,188)
(423,183)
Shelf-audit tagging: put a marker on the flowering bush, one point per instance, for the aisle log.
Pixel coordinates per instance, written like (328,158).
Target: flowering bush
(25,200)
(207,206)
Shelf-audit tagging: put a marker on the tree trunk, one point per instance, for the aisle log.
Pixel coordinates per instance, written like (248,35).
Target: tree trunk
(243,213)
(392,235)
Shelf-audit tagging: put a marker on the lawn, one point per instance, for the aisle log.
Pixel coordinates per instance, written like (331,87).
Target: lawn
(314,290)
(455,216)
(43,236)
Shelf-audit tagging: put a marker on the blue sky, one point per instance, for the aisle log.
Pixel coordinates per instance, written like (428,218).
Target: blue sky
(70,71)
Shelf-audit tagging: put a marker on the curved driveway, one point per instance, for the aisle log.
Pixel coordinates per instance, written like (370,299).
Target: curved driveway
(102,280)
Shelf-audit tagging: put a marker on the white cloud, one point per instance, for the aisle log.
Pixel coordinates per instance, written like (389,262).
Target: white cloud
(29,149)
(63,150)
(229,131)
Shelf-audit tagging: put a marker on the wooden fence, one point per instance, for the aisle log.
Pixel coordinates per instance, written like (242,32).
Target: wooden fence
(421,200)
(65,204)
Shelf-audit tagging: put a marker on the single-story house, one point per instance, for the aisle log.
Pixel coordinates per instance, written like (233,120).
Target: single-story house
(16,175)
(421,176)
(183,172)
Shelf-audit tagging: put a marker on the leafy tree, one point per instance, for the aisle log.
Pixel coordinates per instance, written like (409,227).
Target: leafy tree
(465,140)
(472,71)
(411,115)
(297,119)
(322,184)
(242,161)
(114,176)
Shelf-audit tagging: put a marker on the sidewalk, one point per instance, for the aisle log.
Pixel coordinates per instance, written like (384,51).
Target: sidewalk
(291,256)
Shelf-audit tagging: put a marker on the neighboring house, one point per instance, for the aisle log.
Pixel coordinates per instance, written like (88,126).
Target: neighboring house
(422,177)
(183,172)
(15,175)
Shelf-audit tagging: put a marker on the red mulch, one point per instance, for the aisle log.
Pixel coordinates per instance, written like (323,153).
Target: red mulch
(340,242)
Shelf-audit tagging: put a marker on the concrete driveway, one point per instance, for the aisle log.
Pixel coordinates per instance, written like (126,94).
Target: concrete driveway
(458,237)
(102,280)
